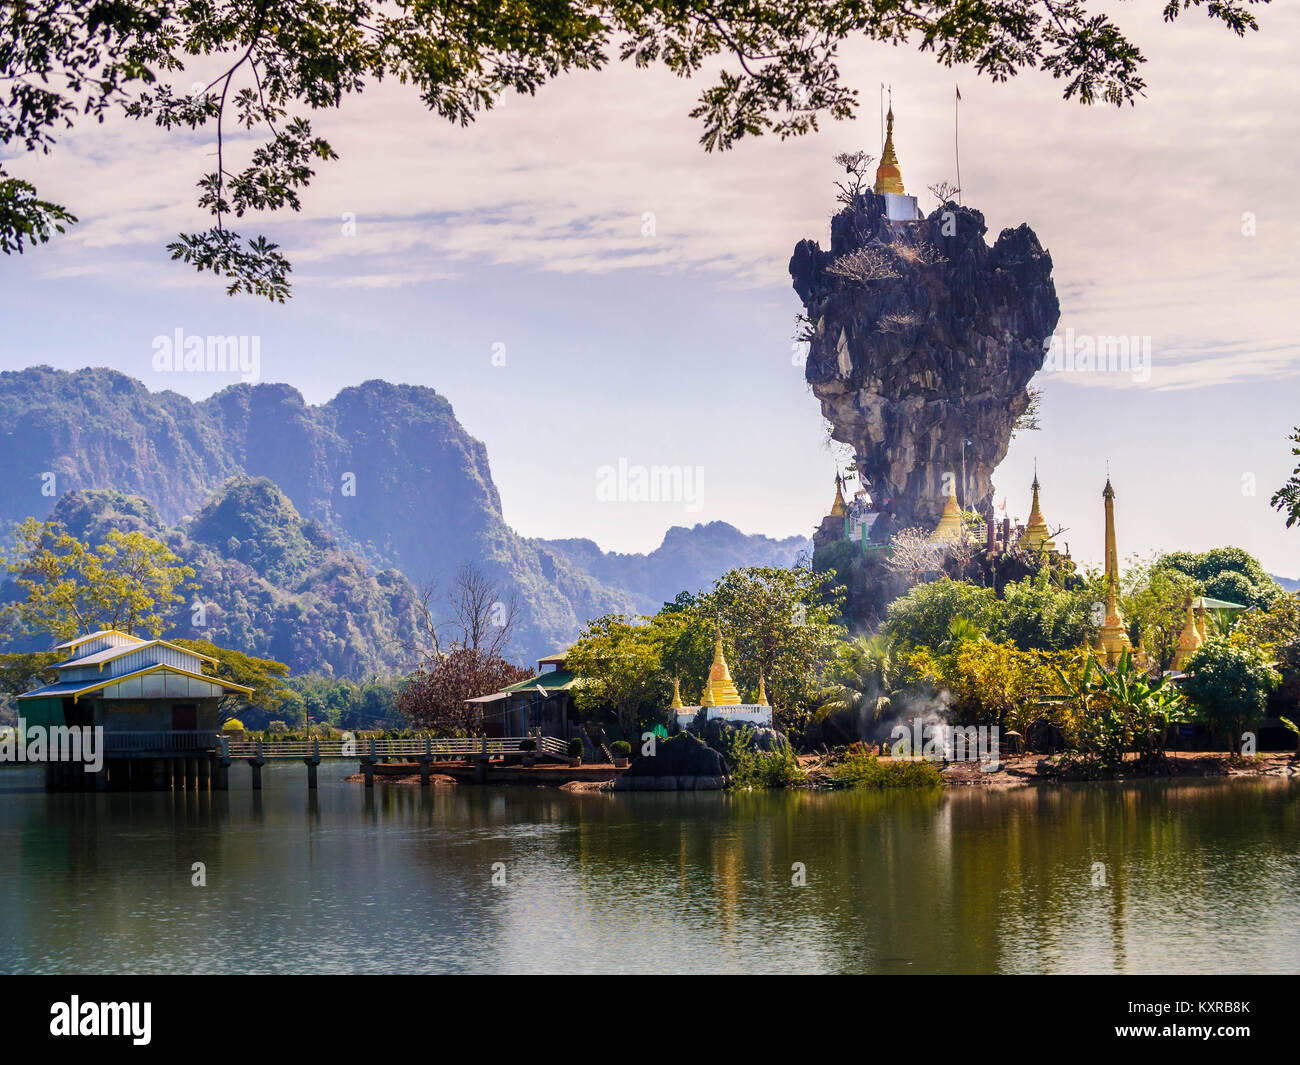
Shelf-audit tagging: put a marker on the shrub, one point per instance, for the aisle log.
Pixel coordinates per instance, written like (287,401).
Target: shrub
(621,749)
(575,747)
(277,726)
(863,769)
(233,725)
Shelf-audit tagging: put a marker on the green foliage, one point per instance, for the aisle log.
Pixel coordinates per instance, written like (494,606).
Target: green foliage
(758,769)
(1286,500)
(575,747)
(775,64)
(621,749)
(264,675)
(128,582)
(779,623)
(865,679)
(1229,683)
(863,769)
(277,727)
(618,662)
(232,724)
(1227,573)
(924,616)
(1035,615)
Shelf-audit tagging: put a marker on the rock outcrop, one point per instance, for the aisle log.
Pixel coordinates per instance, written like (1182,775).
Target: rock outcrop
(922,340)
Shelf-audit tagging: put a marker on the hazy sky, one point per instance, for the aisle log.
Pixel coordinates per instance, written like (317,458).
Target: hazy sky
(637,287)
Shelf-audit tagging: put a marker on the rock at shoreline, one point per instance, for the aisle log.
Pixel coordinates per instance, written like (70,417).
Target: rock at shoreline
(680,763)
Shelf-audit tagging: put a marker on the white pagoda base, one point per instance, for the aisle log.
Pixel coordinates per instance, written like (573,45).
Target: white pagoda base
(740,714)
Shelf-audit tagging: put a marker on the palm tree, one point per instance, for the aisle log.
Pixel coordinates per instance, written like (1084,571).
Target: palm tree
(864,679)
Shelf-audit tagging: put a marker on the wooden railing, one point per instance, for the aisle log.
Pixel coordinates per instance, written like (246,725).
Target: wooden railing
(184,740)
(411,749)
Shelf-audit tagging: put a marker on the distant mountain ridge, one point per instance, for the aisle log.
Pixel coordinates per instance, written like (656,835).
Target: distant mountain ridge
(385,471)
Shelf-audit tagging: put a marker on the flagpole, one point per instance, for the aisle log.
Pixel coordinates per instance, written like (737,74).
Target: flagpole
(882,119)
(956,140)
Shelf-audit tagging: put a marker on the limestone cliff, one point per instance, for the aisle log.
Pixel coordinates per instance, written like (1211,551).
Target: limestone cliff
(922,338)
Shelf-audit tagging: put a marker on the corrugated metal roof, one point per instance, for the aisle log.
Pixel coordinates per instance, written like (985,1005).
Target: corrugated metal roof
(78,687)
(110,653)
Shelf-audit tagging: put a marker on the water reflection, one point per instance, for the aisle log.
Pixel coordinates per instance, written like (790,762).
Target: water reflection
(1161,877)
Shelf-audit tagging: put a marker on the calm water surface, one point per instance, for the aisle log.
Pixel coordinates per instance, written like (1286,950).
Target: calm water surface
(1199,877)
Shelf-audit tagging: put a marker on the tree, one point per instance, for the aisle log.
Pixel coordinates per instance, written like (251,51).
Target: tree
(924,616)
(866,678)
(618,662)
(264,675)
(482,618)
(437,698)
(1228,573)
(1286,499)
(1229,684)
(1036,615)
(945,192)
(1155,604)
(775,62)
(128,582)
(780,624)
(857,170)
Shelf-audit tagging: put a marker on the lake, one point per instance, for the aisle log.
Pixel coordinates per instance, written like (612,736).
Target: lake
(1181,876)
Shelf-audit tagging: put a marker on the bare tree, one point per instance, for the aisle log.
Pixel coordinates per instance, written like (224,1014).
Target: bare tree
(857,166)
(864,264)
(944,191)
(427,647)
(484,616)
(1029,421)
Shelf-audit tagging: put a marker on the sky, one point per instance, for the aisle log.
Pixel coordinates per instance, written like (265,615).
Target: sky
(587,285)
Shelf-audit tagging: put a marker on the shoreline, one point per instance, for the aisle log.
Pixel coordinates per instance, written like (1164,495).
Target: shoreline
(1017,771)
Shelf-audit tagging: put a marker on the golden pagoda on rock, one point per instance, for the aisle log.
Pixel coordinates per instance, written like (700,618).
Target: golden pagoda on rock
(839,508)
(1189,640)
(1036,535)
(951,522)
(721,689)
(1112,640)
(889,178)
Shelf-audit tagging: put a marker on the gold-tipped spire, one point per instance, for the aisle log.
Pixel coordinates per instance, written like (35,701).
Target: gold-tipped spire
(762,690)
(1036,537)
(1201,627)
(1189,640)
(721,689)
(676,704)
(1113,639)
(950,521)
(889,178)
(839,508)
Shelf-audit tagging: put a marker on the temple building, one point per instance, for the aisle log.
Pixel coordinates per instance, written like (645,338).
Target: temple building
(899,207)
(721,699)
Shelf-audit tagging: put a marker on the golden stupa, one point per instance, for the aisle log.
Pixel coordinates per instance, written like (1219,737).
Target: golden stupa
(1112,640)
(950,521)
(839,508)
(676,704)
(889,178)
(1189,640)
(1036,536)
(721,689)
(1200,624)
(762,690)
